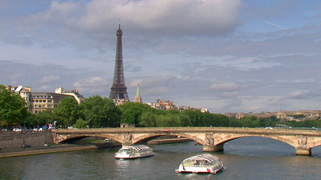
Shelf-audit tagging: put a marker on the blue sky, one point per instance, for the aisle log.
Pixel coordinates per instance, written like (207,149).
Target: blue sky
(227,56)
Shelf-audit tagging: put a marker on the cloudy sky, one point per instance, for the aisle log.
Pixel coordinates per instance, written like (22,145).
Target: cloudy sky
(225,55)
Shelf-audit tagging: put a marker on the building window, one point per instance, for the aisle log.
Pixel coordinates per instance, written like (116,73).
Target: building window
(44,101)
(49,106)
(49,101)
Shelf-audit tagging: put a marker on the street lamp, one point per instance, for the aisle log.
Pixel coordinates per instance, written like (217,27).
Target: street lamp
(24,133)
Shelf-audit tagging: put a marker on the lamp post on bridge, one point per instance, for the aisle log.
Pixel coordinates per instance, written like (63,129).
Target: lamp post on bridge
(24,133)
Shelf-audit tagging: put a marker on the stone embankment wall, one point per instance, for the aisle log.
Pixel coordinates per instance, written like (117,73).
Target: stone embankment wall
(11,139)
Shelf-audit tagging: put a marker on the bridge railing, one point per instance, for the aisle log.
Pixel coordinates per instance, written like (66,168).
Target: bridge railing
(193,129)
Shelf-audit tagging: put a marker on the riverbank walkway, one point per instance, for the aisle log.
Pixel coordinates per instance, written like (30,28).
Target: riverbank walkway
(43,150)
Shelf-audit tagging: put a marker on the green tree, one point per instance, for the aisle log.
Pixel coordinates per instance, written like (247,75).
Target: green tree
(194,116)
(172,111)
(131,112)
(250,122)
(174,120)
(31,120)
(235,123)
(224,120)
(185,120)
(12,108)
(43,118)
(80,123)
(168,120)
(67,112)
(100,112)
(148,119)
(208,119)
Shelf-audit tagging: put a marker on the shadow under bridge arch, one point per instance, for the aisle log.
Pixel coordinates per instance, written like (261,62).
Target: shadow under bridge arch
(147,137)
(71,139)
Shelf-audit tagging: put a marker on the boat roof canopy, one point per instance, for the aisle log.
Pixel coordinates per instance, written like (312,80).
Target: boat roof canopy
(207,157)
(137,147)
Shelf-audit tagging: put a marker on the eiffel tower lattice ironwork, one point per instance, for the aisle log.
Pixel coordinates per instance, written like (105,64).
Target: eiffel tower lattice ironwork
(119,89)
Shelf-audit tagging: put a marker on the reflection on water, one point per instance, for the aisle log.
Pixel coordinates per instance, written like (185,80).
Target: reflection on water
(244,158)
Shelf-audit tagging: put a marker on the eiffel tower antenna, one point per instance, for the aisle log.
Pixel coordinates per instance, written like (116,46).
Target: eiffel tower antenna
(119,90)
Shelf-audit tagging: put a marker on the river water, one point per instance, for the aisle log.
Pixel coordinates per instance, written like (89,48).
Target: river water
(245,158)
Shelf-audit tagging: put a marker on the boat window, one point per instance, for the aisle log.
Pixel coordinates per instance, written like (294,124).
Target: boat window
(127,151)
(201,162)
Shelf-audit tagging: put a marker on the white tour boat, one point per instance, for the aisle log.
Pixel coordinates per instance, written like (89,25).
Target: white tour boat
(204,163)
(132,152)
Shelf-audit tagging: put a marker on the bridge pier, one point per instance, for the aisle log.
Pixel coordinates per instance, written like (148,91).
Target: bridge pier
(303,151)
(126,144)
(219,147)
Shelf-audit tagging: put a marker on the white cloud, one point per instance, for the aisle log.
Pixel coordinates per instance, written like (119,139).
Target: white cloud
(44,88)
(167,16)
(135,82)
(49,79)
(224,87)
(229,94)
(95,85)
(157,91)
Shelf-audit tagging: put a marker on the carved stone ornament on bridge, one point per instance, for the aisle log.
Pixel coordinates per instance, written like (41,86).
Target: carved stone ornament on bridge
(209,139)
(302,140)
(128,137)
(59,137)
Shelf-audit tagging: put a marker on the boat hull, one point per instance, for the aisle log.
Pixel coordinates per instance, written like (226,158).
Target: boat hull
(199,171)
(205,163)
(134,152)
(133,157)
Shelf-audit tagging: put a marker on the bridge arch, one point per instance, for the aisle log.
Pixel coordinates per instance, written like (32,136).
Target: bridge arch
(315,144)
(78,136)
(145,137)
(221,141)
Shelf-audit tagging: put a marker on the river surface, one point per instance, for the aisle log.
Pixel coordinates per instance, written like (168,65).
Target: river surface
(245,158)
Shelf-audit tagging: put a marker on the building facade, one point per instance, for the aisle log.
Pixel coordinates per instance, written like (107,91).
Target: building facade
(24,92)
(46,101)
(74,93)
(42,101)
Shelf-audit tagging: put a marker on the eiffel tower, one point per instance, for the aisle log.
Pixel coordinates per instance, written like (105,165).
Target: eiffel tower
(119,90)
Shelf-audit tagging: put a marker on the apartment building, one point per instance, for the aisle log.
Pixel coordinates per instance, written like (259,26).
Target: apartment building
(42,101)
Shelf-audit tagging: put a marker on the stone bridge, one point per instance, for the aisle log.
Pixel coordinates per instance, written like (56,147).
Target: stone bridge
(212,138)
